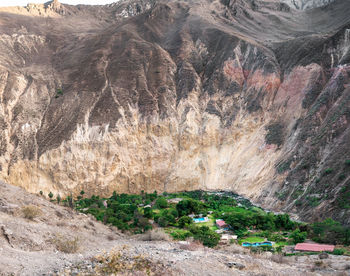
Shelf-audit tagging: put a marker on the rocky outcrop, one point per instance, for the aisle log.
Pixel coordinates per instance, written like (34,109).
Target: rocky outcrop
(141,95)
(307,4)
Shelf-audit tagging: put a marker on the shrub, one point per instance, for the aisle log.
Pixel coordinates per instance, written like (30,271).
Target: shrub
(278,258)
(161,203)
(184,221)
(50,195)
(155,235)
(330,231)
(235,249)
(163,222)
(260,249)
(174,212)
(31,211)
(204,234)
(191,246)
(279,248)
(338,251)
(266,234)
(347,162)
(328,171)
(188,206)
(58,198)
(274,134)
(148,213)
(298,236)
(319,263)
(180,234)
(284,166)
(66,244)
(118,223)
(313,201)
(298,203)
(120,263)
(277,238)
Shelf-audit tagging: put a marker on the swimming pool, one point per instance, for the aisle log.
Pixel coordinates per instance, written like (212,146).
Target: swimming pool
(248,244)
(197,220)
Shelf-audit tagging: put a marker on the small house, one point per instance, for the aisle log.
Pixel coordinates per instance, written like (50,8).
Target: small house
(174,200)
(105,204)
(221,223)
(227,237)
(314,247)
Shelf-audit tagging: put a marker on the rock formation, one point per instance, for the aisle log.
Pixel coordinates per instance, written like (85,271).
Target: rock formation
(307,4)
(242,95)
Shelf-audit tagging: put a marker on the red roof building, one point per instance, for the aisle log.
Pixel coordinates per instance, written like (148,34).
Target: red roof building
(220,223)
(314,247)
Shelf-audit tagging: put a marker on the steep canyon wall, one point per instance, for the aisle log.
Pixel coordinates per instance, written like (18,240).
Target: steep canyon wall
(249,96)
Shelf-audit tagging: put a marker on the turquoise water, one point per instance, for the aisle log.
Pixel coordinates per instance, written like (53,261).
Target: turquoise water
(199,219)
(248,244)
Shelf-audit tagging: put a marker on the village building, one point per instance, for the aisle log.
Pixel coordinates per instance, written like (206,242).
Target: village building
(174,200)
(227,237)
(313,247)
(221,223)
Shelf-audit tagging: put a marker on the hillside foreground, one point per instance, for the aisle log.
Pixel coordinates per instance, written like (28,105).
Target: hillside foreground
(30,247)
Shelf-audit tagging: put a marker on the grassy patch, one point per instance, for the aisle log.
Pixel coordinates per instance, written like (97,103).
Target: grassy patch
(178,234)
(31,211)
(280,244)
(251,239)
(66,244)
(210,223)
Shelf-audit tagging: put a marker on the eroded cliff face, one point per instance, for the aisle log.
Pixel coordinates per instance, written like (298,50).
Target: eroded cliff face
(246,96)
(307,4)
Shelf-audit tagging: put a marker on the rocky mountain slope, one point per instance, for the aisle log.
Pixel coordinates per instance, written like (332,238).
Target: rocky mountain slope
(242,95)
(307,4)
(43,246)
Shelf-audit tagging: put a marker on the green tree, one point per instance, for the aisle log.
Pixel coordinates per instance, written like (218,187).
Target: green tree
(70,201)
(161,203)
(50,195)
(144,224)
(282,221)
(330,231)
(204,234)
(188,206)
(58,198)
(163,222)
(148,213)
(184,221)
(277,238)
(174,212)
(298,236)
(279,249)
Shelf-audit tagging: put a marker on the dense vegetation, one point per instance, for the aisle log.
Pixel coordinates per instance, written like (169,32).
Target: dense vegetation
(175,213)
